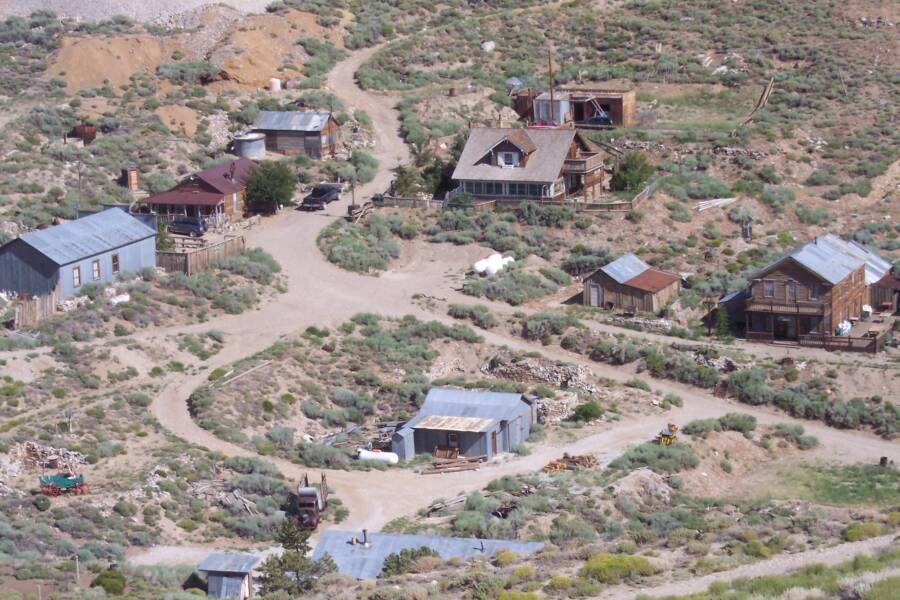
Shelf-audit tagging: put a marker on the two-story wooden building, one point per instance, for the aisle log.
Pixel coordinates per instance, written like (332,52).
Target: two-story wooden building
(812,289)
(514,165)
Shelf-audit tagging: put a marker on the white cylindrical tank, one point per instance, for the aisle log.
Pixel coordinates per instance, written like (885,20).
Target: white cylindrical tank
(390,458)
(275,85)
(250,145)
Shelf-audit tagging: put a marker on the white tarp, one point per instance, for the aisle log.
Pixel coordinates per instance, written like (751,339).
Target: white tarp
(493,264)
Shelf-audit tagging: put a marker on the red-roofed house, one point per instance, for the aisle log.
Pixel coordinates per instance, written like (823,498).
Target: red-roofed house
(216,194)
(630,283)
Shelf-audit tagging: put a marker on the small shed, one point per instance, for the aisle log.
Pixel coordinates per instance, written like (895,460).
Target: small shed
(314,134)
(228,575)
(361,555)
(631,284)
(472,422)
(91,250)
(884,294)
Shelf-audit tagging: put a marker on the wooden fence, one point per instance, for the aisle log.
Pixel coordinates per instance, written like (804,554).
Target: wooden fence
(839,342)
(195,260)
(31,311)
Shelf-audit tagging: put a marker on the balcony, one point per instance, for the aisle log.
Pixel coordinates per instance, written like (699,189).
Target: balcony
(782,307)
(583,164)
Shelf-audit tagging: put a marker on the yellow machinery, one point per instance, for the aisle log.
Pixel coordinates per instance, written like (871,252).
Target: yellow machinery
(667,436)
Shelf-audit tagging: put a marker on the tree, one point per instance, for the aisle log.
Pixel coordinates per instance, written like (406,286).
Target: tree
(292,572)
(632,174)
(163,238)
(723,327)
(270,184)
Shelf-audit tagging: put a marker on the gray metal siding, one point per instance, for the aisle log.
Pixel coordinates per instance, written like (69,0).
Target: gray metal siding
(403,444)
(132,258)
(24,270)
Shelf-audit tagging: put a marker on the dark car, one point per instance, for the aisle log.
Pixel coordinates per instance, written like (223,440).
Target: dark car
(601,118)
(189,226)
(312,204)
(324,193)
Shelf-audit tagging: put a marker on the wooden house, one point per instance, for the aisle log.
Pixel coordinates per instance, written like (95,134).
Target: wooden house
(629,283)
(515,165)
(228,575)
(812,289)
(315,134)
(217,194)
(884,294)
(60,260)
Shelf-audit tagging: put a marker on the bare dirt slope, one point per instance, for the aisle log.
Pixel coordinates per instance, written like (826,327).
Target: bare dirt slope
(99,10)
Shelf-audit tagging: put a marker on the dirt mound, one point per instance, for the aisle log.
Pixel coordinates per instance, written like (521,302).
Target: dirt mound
(643,486)
(179,119)
(729,464)
(86,62)
(264,45)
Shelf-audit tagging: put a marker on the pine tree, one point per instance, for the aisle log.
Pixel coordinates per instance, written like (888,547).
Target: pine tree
(293,572)
(723,327)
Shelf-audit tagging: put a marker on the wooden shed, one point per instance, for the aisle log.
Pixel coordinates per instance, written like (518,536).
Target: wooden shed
(631,284)
(314,134)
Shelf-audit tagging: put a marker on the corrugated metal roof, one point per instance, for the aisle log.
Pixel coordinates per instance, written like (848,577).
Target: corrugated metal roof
(833,259)
(736,295)
(366,563)
(474,404)
(291,120)
(627,266)
(472,424)
(221,562)
(652,280)
(88,236)
(543,166)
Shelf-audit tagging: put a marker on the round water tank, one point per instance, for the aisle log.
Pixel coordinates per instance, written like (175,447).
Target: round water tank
(250,145)
(275,84)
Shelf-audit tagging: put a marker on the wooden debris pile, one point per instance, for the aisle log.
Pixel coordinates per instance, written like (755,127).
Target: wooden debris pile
(214,492)
(454,465)
(571,463)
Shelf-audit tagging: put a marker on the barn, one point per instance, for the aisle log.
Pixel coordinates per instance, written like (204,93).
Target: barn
(470,422)
(314,134)
(91,250)
(631,284)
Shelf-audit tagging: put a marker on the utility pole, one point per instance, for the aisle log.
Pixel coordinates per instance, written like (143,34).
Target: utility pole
(77,572)
(550,78)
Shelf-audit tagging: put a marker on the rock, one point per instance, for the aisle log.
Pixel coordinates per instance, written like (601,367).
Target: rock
(537,370)
(643,486)
(554,410)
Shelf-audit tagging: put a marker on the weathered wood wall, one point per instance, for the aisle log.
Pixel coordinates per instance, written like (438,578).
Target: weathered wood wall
(194,261)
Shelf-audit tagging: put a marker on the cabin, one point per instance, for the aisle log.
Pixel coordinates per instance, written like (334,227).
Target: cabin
(884,294)
(628,283)
(217,194)
(515,165)
(582,108)
(228,575)
(466,423)
(60,260)
(812,289)
(314,134)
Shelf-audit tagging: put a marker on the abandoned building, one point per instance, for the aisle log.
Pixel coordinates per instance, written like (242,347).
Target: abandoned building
(585,108)
(217,194)
(514,165)
(467,422)
(91,250)
(812,289)
(314,134)
(361,555)
(228,575)
(629,283)
(884,294)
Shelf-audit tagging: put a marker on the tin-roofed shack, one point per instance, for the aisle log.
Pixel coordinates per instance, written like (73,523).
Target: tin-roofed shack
(475,423)
(228,575)
(314,134)
(631,284)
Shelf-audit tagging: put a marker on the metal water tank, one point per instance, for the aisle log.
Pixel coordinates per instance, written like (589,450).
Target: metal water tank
(250,145)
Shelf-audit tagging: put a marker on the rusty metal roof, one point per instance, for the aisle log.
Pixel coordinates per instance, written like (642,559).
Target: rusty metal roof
(88,236)
(652,280)
(472,424)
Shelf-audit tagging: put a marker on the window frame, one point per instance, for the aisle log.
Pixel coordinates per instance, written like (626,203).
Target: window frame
(95,270)
(791,291)
(115,264)
(453,439)
(814,291)
(76,276)
(768,289)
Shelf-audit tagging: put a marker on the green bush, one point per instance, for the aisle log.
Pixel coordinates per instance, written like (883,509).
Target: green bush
(613,568)
(362,248)
(795,435)
(633,173)
(861,531)
(41,502)
(668,459)
(112,582)
(513,285)
(479,314)
(587,411)
(404,561)
(541,325)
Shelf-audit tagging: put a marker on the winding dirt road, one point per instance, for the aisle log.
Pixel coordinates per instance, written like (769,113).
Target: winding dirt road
(321,294)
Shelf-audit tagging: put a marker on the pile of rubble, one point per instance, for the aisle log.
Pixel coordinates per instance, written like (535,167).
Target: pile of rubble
(739,151)
(571,463)
(536,370)
(40,456)
(557,409)
(214,491)
(723,364)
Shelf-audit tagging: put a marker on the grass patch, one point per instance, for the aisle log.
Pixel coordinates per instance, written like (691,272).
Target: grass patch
(850,485)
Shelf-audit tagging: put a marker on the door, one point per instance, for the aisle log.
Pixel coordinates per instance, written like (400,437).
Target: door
(453,440)
(785,327)
(493,443)
(596,297)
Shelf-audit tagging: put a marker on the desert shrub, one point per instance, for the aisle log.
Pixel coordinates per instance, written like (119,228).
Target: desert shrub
(318,455)
(669,459)
(360,248)
(41,502)
(253,263)
(512,285)
(251,465)
(749,386)
(187,71)
(638,384)
(613,568)
(479,314)
(404,561)
(282,436)
(811,216)
(584,260)
(777,196)
(261,485)
(551,215)
(795,435)
(633,173)
(739,422)
(587,411)
(541,325)
(861,531)
(111,581)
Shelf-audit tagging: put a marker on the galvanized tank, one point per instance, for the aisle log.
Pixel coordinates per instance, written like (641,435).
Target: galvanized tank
(250,145)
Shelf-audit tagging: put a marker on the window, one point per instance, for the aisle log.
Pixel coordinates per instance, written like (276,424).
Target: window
(95,270)
(518,189)
(792,292)
(76,276)
(534,189)
(479,187)
(453,440)
(768,289)
(814,292)
(508,159)
(115,263)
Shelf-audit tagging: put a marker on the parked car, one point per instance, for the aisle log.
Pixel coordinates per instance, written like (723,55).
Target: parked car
(325,192)
(312,204)
(600,118)
(190,226)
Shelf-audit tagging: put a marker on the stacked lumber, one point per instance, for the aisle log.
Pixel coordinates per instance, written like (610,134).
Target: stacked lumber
(571,463)
(355,212)
(454,465)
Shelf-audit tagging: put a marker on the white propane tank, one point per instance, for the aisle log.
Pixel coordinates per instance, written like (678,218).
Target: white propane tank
(390,458)
(275,84)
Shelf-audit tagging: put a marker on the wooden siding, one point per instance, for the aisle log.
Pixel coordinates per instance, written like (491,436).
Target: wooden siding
(32,310)
(789,272)
(315,144)
(194,261)
(616,295)
(24,270)
(881,297)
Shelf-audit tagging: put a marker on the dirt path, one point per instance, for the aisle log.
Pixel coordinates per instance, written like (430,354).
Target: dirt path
(781,564)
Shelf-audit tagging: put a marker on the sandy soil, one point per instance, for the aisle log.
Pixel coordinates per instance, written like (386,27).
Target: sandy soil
(139,10)
(179,118)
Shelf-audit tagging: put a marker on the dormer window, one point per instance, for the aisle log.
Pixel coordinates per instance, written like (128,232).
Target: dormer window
(508,159)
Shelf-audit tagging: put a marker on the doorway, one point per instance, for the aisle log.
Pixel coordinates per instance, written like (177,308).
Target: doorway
(493,443)
(596,296)
(785,327)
